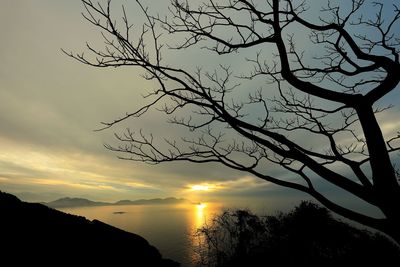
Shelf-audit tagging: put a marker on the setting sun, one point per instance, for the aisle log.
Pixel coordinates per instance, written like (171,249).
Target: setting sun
(201,206)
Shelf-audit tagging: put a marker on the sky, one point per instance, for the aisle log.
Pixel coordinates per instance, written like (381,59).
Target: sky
(51,105)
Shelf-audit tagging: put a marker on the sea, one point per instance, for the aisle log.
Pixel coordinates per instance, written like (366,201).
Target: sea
(170,228)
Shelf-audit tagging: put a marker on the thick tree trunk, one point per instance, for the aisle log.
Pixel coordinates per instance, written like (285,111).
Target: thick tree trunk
(383,174)
(385,189)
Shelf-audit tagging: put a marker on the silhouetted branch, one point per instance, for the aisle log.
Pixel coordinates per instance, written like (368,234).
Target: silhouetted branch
(312,115)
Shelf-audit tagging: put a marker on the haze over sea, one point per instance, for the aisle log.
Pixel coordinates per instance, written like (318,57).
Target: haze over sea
(170,228)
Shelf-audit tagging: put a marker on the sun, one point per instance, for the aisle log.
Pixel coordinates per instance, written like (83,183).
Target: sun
(201,206)
(199,187)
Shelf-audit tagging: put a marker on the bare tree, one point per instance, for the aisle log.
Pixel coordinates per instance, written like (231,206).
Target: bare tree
(331,97)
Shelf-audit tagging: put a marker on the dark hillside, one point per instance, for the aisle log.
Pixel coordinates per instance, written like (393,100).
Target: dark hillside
(35,235)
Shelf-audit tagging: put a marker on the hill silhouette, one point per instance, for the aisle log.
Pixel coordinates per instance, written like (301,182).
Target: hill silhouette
(35,235)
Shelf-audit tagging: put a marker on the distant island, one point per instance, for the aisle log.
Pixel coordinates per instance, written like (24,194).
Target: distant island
(169,200)
(68,202)
(119,212)
(73,202)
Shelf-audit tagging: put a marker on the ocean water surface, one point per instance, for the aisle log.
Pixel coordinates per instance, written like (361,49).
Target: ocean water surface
(170,228)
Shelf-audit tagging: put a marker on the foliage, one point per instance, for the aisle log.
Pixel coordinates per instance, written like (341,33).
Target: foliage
(306,236)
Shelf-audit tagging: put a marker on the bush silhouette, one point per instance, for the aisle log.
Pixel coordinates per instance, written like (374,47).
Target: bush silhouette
(306,236)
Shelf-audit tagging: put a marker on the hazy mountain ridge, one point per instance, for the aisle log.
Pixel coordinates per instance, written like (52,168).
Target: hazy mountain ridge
(169,200)
(74,202)
(68,202)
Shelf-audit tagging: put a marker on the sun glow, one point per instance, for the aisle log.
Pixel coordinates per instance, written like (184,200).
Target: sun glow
(200,187)
(201,206)
(205,187)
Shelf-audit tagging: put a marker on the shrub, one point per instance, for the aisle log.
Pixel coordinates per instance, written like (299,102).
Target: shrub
(306,236)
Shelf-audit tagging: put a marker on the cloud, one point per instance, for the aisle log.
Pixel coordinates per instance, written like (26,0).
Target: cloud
(50,106)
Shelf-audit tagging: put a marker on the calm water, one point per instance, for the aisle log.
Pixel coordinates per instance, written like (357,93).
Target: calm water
(170,228)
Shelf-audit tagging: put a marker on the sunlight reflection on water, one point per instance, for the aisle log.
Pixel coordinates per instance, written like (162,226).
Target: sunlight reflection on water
(201,209)
(170,228)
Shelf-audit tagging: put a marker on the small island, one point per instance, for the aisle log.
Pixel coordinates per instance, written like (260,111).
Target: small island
(119,212)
